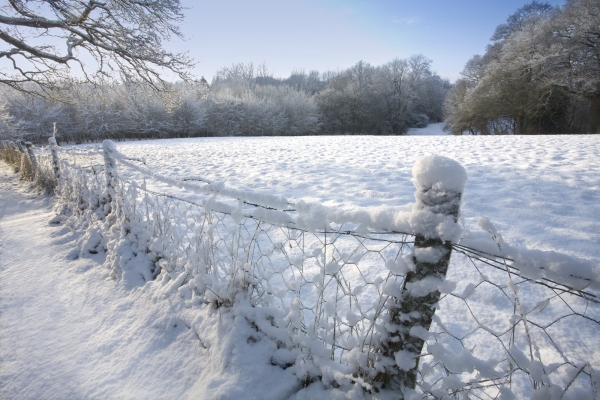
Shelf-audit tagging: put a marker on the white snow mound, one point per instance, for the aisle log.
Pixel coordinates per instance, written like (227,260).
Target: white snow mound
(440,173)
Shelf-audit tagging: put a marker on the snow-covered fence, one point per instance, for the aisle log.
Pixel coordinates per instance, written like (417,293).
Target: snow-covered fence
(328,270)
(348,297)
(54,154)
(29,162)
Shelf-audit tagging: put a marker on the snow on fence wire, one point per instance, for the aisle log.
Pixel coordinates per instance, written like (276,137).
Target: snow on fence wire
(350,297)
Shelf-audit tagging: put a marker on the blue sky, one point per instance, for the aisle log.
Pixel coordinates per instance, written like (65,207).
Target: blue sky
(333,34)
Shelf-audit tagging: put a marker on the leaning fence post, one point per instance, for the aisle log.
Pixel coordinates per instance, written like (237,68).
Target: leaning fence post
(110,170)
(439,182)
(55,160)
(34,163)
(20,147)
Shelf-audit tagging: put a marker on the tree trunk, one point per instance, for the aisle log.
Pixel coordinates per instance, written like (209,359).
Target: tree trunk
(594,117)
(518,125)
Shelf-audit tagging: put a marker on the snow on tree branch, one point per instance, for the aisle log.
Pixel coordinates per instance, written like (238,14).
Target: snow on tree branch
(47,41)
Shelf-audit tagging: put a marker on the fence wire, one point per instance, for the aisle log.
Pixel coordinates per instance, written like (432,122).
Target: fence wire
(504,329)
(333,278)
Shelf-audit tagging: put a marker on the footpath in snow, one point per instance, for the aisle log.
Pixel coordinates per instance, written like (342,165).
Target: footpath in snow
(436,129)
(66,332)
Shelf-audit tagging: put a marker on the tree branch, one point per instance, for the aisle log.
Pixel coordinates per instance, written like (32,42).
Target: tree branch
(124,37)
(32,50)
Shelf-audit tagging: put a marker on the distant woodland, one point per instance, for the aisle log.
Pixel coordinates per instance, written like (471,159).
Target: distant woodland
(242,100)
(540,74)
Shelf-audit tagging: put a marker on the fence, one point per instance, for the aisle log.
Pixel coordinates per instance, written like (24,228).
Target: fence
(31,164)
(350,298)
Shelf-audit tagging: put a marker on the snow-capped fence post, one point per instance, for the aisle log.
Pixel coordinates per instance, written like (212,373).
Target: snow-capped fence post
(55,160)
(439,182)
(110,170)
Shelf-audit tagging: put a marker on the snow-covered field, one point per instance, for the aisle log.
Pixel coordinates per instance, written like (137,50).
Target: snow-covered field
(67,332)
(541,191)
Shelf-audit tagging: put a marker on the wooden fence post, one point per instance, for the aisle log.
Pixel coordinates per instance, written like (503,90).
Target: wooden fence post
(34,163)
(55,160)
(110,170)
(439,182)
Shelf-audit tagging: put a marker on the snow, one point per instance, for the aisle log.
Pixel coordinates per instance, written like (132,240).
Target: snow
(511,179)
(439,173)
(66,331)
(435,129)
(69,331)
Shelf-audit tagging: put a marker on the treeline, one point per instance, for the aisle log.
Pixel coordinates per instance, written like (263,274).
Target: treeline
(539,75)
(241,100)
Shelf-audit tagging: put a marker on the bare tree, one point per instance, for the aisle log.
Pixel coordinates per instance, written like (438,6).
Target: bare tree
(105,40)
(237,72)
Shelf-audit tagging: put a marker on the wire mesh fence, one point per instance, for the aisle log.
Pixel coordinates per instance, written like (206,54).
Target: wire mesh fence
(329,283)
(333,293)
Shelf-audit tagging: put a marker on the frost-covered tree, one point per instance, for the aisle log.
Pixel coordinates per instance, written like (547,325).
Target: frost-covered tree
(240,106)
(459,114)
(189,110)
(118,111)
(387,99)
(34,117)
(45,41)
(239,72)
(513,86)
(540,74)
(431,98)
(333,104)
(7,130)
(521,18)
(571,55)
(310,83)
(410,91)
(398,92)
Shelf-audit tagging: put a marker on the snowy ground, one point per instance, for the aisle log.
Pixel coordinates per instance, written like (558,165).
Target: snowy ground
(68,332)
(542,191)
